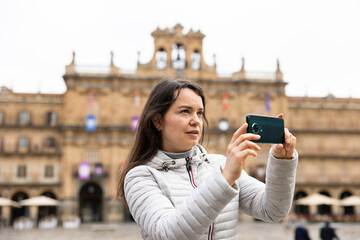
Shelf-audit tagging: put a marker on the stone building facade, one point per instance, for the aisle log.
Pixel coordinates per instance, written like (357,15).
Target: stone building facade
(70,146)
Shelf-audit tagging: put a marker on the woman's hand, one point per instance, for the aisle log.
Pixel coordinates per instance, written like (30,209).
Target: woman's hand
(239,148)
(286,150)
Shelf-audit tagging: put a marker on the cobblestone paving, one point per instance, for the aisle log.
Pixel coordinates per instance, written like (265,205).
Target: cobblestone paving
(130,231)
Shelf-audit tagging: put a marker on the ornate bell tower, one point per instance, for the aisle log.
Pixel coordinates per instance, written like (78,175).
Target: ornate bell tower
(177,55)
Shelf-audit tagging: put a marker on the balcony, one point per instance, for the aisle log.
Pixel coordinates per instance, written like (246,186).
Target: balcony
(11,124)
(305,179)
(13,150)
(33,177)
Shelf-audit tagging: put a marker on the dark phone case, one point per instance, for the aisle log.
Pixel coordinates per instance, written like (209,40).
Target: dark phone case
(271,129)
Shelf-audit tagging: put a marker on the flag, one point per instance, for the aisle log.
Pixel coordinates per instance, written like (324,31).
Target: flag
(90,123)
(84,171)
(225,101)
(91,98)
(137,98)
(134,123)
(98,169)
(267,102)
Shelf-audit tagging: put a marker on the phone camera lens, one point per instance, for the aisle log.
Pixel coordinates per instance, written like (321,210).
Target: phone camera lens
(255,128)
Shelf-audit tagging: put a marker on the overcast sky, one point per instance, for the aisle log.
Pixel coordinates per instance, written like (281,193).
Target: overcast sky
(316,41)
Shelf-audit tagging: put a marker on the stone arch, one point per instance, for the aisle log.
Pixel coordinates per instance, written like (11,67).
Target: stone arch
(301,209)
(324,209)
(348,210)
(46,211)
(91,202)
(19,212)
(178,56)
(196,60)
(161,58)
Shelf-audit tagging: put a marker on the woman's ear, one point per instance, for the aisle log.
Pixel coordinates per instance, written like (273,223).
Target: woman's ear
(157,121)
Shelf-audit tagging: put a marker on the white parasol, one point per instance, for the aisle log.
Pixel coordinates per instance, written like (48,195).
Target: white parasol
(350,201)
(317,199)
(39,201)
(8,202)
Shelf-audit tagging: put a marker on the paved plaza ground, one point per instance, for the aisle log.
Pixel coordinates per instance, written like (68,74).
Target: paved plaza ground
(127,231)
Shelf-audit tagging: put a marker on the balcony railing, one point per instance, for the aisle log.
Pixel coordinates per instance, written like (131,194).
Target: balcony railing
(93,174)
(27,125)
(92,69)
(9,150)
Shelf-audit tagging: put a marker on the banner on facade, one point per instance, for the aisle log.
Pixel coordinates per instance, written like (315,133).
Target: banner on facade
(84,171)
(225,101)
(267,102)
(98,169)
(134,123)
(137,98)
(90,123)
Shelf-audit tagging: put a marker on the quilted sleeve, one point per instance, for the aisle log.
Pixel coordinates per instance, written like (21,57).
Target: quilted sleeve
(270,202)
(157,216)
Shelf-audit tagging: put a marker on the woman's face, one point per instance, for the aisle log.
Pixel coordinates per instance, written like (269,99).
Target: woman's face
(182,124)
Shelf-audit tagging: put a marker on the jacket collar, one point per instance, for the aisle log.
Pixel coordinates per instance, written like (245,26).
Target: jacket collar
(162,161)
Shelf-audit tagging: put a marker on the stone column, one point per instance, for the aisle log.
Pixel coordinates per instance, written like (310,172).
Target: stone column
(115,210)
(34,212)
(68,207)
(6,214)
(313,209)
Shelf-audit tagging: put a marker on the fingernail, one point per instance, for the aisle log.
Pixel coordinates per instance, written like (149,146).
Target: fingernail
(287,140)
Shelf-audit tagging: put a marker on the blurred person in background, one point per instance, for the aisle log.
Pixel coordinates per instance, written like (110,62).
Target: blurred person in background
(301,232)
(176,190)
(327,232)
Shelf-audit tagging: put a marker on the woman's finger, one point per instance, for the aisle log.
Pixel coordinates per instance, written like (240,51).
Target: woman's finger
(238,132)
(248,144)
(278,146)
(288,135)
(245,153)
(293,143)
(244,137)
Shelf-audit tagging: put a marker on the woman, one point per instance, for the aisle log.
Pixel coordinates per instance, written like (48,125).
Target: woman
(175,190)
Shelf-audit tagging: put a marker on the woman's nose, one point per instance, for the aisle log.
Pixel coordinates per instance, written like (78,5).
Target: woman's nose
(195,120)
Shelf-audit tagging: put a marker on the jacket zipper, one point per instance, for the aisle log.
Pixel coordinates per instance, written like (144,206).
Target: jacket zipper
(192,182)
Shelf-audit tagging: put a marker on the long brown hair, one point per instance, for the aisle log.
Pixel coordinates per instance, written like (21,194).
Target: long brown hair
(148,138)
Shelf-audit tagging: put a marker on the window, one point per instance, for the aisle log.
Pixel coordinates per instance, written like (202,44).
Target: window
(23,142)
(50,142)
(49,171)
(21,171)
(195,60)
(24,118)
(161,59)
(92,156)
(51,118)
(1,117)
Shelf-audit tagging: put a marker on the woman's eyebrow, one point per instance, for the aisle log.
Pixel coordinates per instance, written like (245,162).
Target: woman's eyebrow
(188,107)
(185,106)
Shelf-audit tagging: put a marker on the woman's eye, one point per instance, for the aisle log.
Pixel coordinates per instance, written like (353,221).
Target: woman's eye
(200,113)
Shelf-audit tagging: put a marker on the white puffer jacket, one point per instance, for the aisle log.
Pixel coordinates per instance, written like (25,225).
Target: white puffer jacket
(191,199)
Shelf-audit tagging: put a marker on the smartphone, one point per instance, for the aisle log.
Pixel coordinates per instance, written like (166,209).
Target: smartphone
(271,129)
